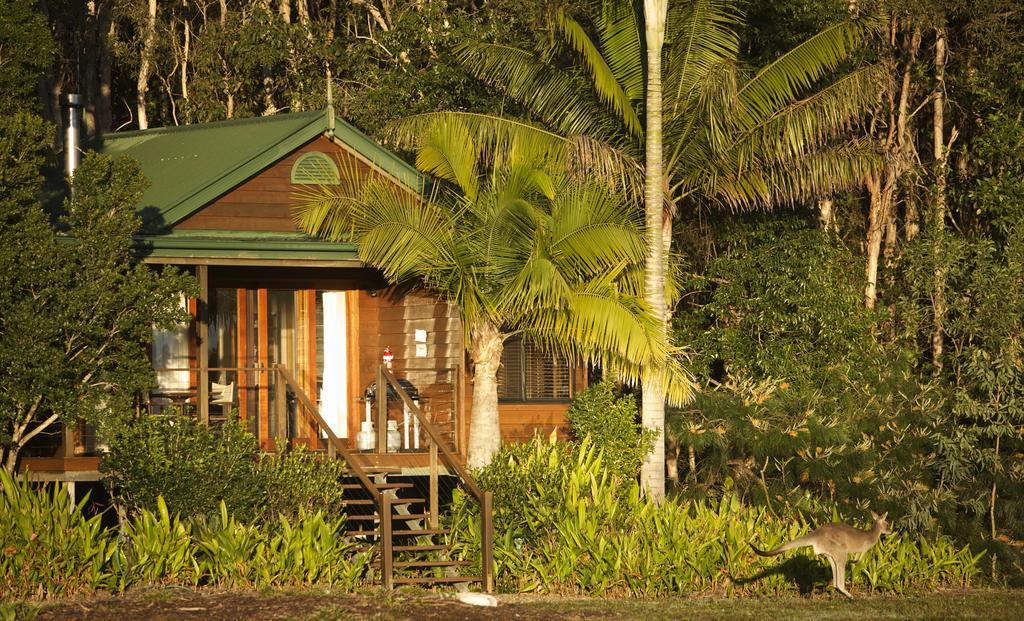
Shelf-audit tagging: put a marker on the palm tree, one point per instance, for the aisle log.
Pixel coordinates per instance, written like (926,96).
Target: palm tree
(732,138)
(652,471)
(518,248)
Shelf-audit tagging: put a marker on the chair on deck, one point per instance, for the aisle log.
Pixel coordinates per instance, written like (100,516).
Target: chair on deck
(224,396)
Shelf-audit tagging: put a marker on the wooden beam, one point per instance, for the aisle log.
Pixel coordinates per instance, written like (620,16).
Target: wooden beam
(263,361)
(242,354)
(203,326)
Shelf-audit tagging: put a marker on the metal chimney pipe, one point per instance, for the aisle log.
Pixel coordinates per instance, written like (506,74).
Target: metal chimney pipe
(72,102)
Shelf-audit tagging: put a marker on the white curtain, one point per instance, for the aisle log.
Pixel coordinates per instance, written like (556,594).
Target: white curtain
(170,351)
(334,394)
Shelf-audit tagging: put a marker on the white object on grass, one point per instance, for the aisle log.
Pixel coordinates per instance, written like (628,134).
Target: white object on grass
(477,599)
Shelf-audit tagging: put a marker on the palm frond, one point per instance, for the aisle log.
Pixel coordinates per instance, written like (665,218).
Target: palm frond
(603,79)
(556,97)
(449,152)
(701,36)
(786,78)
(780,182)
(621,28)
(492,132)
(811,122)
(616,167)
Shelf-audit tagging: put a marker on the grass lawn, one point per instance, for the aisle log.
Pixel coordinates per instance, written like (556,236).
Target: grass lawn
(206,604)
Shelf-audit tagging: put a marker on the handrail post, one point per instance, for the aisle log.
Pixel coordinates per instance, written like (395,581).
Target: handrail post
(281,405)
(387,573)
(434,508)
(487,541)
(382,412)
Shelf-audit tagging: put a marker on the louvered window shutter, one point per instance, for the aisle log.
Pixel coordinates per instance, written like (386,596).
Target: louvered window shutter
(315,168)
(528,373)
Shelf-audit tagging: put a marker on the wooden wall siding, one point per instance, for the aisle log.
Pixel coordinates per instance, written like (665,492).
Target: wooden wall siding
(263,203)
(519,421)
(390,319)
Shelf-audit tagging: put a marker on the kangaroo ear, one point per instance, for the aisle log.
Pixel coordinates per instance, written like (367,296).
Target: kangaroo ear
(885,515)
(874,516)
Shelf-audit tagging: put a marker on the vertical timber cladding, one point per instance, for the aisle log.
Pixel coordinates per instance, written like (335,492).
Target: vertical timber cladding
(425,336)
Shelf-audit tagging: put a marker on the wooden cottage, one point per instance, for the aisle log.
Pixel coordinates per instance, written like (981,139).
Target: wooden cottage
(285,324)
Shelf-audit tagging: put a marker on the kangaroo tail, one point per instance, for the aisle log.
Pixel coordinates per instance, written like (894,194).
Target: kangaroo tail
(790,545)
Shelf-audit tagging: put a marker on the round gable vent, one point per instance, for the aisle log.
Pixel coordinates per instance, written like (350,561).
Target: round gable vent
(315,168)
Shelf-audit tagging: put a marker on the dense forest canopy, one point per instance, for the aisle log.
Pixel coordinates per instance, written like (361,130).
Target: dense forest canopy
(864,348)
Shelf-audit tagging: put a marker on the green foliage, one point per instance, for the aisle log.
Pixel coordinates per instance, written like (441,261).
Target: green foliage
(588,533)
(172,457)
(800,395)
(304,552)
(28,50)
(158,549)
(47,548)
(612,423)
(77,309)
(298,481)
(980,441)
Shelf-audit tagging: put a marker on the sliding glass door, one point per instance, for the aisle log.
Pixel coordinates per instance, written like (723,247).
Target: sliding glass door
(254,330)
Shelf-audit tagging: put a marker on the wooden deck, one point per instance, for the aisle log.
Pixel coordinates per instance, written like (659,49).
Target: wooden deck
(61,468)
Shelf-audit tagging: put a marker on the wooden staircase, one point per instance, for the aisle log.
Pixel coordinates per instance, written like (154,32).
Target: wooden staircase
(394,515)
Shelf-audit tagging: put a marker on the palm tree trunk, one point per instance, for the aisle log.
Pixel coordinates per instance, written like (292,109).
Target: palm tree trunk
(485,425)
(652,471)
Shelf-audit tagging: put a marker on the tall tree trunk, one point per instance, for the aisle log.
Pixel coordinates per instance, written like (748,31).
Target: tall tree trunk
(938,222)
(899,148)
(826,214)
(485,424)
(876,217)
(105,104)
(652,471)
(229,95)
(89,80)
(145,62)
(186,48)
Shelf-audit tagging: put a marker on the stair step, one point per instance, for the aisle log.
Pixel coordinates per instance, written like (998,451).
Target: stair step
(361,533)
(427,564)
(394,501)
(421,532)
(379,486)
(426,548)
(437,580)
(397,516)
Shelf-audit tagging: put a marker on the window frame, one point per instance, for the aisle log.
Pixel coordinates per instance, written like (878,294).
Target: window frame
(523,374)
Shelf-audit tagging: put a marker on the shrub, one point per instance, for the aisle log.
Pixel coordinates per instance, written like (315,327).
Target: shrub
(47,548)
(159,549)
(191,466)
(583,531)
(308,551)
(194,468)
(298,481)
(612,423)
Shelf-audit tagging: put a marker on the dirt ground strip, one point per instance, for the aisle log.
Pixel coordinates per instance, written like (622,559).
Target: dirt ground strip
(187,605)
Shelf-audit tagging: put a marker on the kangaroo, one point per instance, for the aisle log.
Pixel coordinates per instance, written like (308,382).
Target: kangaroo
(837,542)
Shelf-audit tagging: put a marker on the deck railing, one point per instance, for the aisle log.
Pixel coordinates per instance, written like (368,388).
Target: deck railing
(440,453)
(440,444)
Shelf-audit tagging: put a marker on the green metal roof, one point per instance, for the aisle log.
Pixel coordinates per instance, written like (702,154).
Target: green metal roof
(199,244)
(191,165)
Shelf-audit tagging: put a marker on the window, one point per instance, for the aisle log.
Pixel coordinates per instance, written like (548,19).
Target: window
(315,168)
(528,373)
